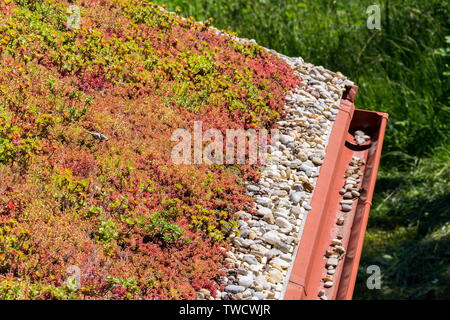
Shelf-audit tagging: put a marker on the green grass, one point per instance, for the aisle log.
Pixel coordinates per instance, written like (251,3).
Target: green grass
(401,69)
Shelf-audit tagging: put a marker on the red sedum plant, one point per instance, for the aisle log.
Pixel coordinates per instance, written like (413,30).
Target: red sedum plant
(132,224)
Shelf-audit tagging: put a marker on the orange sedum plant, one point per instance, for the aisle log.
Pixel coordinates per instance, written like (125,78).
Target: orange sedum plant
(134,225)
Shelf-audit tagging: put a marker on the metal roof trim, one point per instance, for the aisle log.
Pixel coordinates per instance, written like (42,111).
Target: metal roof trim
(320,227)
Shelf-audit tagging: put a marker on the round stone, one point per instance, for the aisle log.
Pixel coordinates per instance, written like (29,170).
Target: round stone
(271,237)
(234,289)
(282,222)
(285,139)
(263,211)
(297,211)
(268,217)
(333,262)
(259,295)
(346,208)
(275,276)
(245,281)
(279,263)
(261,281)
(296,197)
(250,259)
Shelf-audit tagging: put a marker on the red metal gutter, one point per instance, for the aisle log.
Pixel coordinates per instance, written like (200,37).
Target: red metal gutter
(309,267)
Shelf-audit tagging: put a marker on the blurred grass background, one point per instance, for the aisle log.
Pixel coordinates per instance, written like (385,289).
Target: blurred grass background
(402,69)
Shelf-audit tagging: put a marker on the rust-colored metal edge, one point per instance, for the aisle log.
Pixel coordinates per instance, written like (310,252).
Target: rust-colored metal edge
(308,260)
(366,120)
(320,227)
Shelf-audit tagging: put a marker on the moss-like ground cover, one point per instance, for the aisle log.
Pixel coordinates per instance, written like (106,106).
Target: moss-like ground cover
(134,224)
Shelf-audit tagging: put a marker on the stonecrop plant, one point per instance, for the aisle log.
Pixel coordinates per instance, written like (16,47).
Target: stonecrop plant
(136,225)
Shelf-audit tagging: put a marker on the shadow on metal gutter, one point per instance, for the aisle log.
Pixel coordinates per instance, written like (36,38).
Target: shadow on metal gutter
(309,268)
